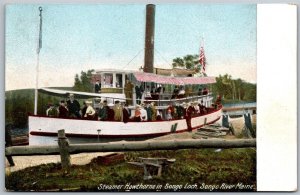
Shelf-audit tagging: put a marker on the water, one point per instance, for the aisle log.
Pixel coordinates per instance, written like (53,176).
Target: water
(243,104)
(19,131)
(238,113)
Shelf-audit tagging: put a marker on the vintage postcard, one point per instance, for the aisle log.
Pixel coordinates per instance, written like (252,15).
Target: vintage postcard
(131,97)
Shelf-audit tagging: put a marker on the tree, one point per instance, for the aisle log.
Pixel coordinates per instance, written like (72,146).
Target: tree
(189,62)
(84,82)
(234,89)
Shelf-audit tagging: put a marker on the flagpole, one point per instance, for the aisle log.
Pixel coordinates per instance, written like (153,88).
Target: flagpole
(37,64)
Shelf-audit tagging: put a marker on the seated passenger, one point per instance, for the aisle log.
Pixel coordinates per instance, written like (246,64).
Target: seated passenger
(205,91)
(125,113)
(175,92)
(83,110)
(218,101)
(197,108)
(143,113)
(63,111)
(202,107)
(137,114)
(180,111)
(90,112)
(118,111)
(153,111)
(102,115)
(52,111)
(169,114)
(181,92)
(149,111)
(200,92)
(110,112)
(175,115)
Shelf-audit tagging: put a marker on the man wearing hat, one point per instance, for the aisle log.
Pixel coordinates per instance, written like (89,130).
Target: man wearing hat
(73,106)
(63,110)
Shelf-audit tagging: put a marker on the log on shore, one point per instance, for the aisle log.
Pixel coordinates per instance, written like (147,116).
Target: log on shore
(131,146)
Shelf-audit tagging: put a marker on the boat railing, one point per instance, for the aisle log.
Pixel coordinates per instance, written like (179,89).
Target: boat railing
(207,100)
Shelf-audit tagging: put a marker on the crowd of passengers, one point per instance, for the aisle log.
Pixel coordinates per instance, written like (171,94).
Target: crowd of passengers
(153,93)
(119,111)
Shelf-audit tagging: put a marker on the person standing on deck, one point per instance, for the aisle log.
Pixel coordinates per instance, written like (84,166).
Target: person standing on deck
(97,87)
(63,111)
(73,107)
(128,92)
(139,92)
(147,93)
(188,116)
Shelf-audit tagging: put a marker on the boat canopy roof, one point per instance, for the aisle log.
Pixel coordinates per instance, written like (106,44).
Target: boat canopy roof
(150,77)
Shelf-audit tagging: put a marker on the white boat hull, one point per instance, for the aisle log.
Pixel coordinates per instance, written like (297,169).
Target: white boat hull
(47,126)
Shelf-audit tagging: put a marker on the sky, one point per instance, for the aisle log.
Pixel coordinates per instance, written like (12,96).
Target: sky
(95,36)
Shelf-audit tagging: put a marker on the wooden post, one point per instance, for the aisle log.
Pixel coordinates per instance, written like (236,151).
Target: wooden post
(63,144)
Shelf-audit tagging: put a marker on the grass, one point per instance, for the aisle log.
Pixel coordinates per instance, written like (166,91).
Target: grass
(203,167)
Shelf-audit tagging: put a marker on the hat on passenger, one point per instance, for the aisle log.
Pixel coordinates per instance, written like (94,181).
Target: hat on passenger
(88,102)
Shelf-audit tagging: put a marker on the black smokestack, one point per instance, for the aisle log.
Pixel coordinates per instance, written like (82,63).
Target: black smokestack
(149,38)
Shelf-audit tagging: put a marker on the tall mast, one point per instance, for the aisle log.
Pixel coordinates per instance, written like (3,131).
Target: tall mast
(37,64)
(149,38)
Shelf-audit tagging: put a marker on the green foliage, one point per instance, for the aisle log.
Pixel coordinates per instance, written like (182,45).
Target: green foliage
(234,89)
(19,103)
(84,82)
(188,62)
(195,166)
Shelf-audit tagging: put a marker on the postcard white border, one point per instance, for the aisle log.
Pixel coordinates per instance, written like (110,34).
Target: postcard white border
(277,132)
(277,97)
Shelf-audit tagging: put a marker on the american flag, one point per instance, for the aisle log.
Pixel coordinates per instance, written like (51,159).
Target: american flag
(202,59)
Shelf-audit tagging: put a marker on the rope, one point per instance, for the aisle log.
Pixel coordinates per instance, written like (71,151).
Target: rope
(162,57)
(132,58)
